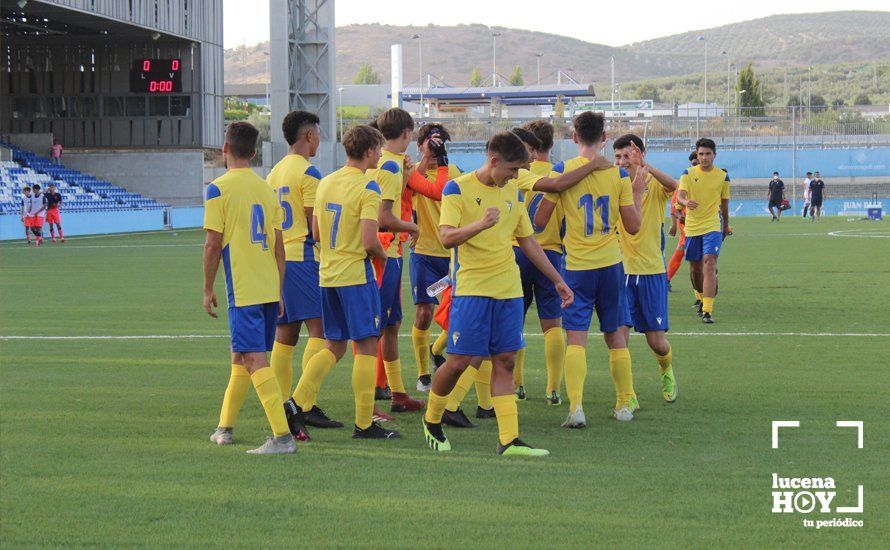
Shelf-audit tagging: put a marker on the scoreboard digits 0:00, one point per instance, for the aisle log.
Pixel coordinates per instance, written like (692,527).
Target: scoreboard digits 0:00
(153,76)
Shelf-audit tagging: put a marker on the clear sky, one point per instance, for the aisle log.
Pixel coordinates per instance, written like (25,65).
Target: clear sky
(247,21)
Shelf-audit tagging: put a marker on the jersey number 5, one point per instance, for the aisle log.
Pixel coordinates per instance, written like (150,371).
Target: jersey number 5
(337,209)
(288,209)
(590,205)
(258,226)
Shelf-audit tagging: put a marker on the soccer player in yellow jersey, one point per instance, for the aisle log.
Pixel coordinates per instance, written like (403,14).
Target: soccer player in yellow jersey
(397,127)
(645,279)
(345,227)
(704,192)
(295,180)
(593,269)
(481,213)
(429,259)
(534,181)
(242,219)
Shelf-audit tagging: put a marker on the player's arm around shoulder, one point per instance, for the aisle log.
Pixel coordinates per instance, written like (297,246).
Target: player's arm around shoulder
(630,199)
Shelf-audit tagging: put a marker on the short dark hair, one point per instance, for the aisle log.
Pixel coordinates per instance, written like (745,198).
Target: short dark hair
(424,132)
(625,141)
(28,187)
(507,146)
(241,137)
(35,187)
(707,143)
(543,130)
(294,122)
(692,156)
(358,140)
(528,138)
(775,173)
(589,126)
(392,122)
(809,173)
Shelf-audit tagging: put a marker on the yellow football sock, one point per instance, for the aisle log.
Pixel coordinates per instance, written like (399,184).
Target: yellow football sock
(236,393)
(508,417)
(518,367)
(464,383)
(483,385)
(576,371)
(697,294)
(313,346)
(441,343)
(664,361)
(266,386)
(281,362)
(394,375)
(622,375)
(435,407)
(364,374)
(306,392)
(707,305)
(421,341)
(554,357)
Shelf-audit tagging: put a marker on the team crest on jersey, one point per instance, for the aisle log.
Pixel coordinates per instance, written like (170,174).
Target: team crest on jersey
(455,337)
(509,206)
(478,201)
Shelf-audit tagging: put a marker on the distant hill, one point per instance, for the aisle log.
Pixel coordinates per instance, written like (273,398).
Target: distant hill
(836,41)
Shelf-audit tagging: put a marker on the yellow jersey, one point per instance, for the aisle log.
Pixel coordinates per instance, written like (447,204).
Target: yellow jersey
(591,215)
(641,253)
(485,265)
(549,236)
(343,200)
(389,176)
(243,207)
(708,189)
(428,211)
(295,181)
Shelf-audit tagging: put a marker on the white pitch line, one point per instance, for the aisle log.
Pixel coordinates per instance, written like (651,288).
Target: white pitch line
(529,334)
(66,247)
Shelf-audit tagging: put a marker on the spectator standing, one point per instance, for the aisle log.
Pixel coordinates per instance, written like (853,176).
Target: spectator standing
(55,152)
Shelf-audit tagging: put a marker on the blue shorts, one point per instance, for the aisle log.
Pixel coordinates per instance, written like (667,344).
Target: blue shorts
(537,287)
(697,247)
(601,289)
(391,293)
(485,326)
(253,327)
(351,312)
(425,270)
(301,293)
(647,300)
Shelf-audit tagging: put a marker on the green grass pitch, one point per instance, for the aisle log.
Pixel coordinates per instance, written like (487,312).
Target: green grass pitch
(105,441)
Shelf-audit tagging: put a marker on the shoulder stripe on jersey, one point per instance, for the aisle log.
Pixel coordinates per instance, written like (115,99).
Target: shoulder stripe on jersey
(391,166)
(559,167)
(372,186)
(314,172)
(520,196)
(623,173)
(685,172)
(727,176)
(451,188)
(212,191)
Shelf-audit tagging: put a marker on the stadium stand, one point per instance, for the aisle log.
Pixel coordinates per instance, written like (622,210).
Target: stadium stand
(80,192)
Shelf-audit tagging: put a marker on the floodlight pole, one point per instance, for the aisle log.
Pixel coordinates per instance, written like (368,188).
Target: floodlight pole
(703,39)
(494,58)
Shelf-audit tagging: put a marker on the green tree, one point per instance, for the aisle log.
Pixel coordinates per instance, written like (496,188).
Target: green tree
(366,75)
(816,100)
(516,78)
(752,100)
(476,77)
(647,90)
(862,99)
(837,103)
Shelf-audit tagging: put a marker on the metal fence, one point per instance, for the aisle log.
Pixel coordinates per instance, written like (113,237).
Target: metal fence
(679,129)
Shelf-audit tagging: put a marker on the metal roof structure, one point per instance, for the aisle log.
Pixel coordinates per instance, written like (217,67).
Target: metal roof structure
(515,95)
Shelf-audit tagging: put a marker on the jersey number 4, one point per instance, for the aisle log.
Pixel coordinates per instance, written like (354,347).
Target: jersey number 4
(590,205)
(337,209)
(258,226)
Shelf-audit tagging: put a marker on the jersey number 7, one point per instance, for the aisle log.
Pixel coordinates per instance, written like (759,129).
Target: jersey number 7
(337,209)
